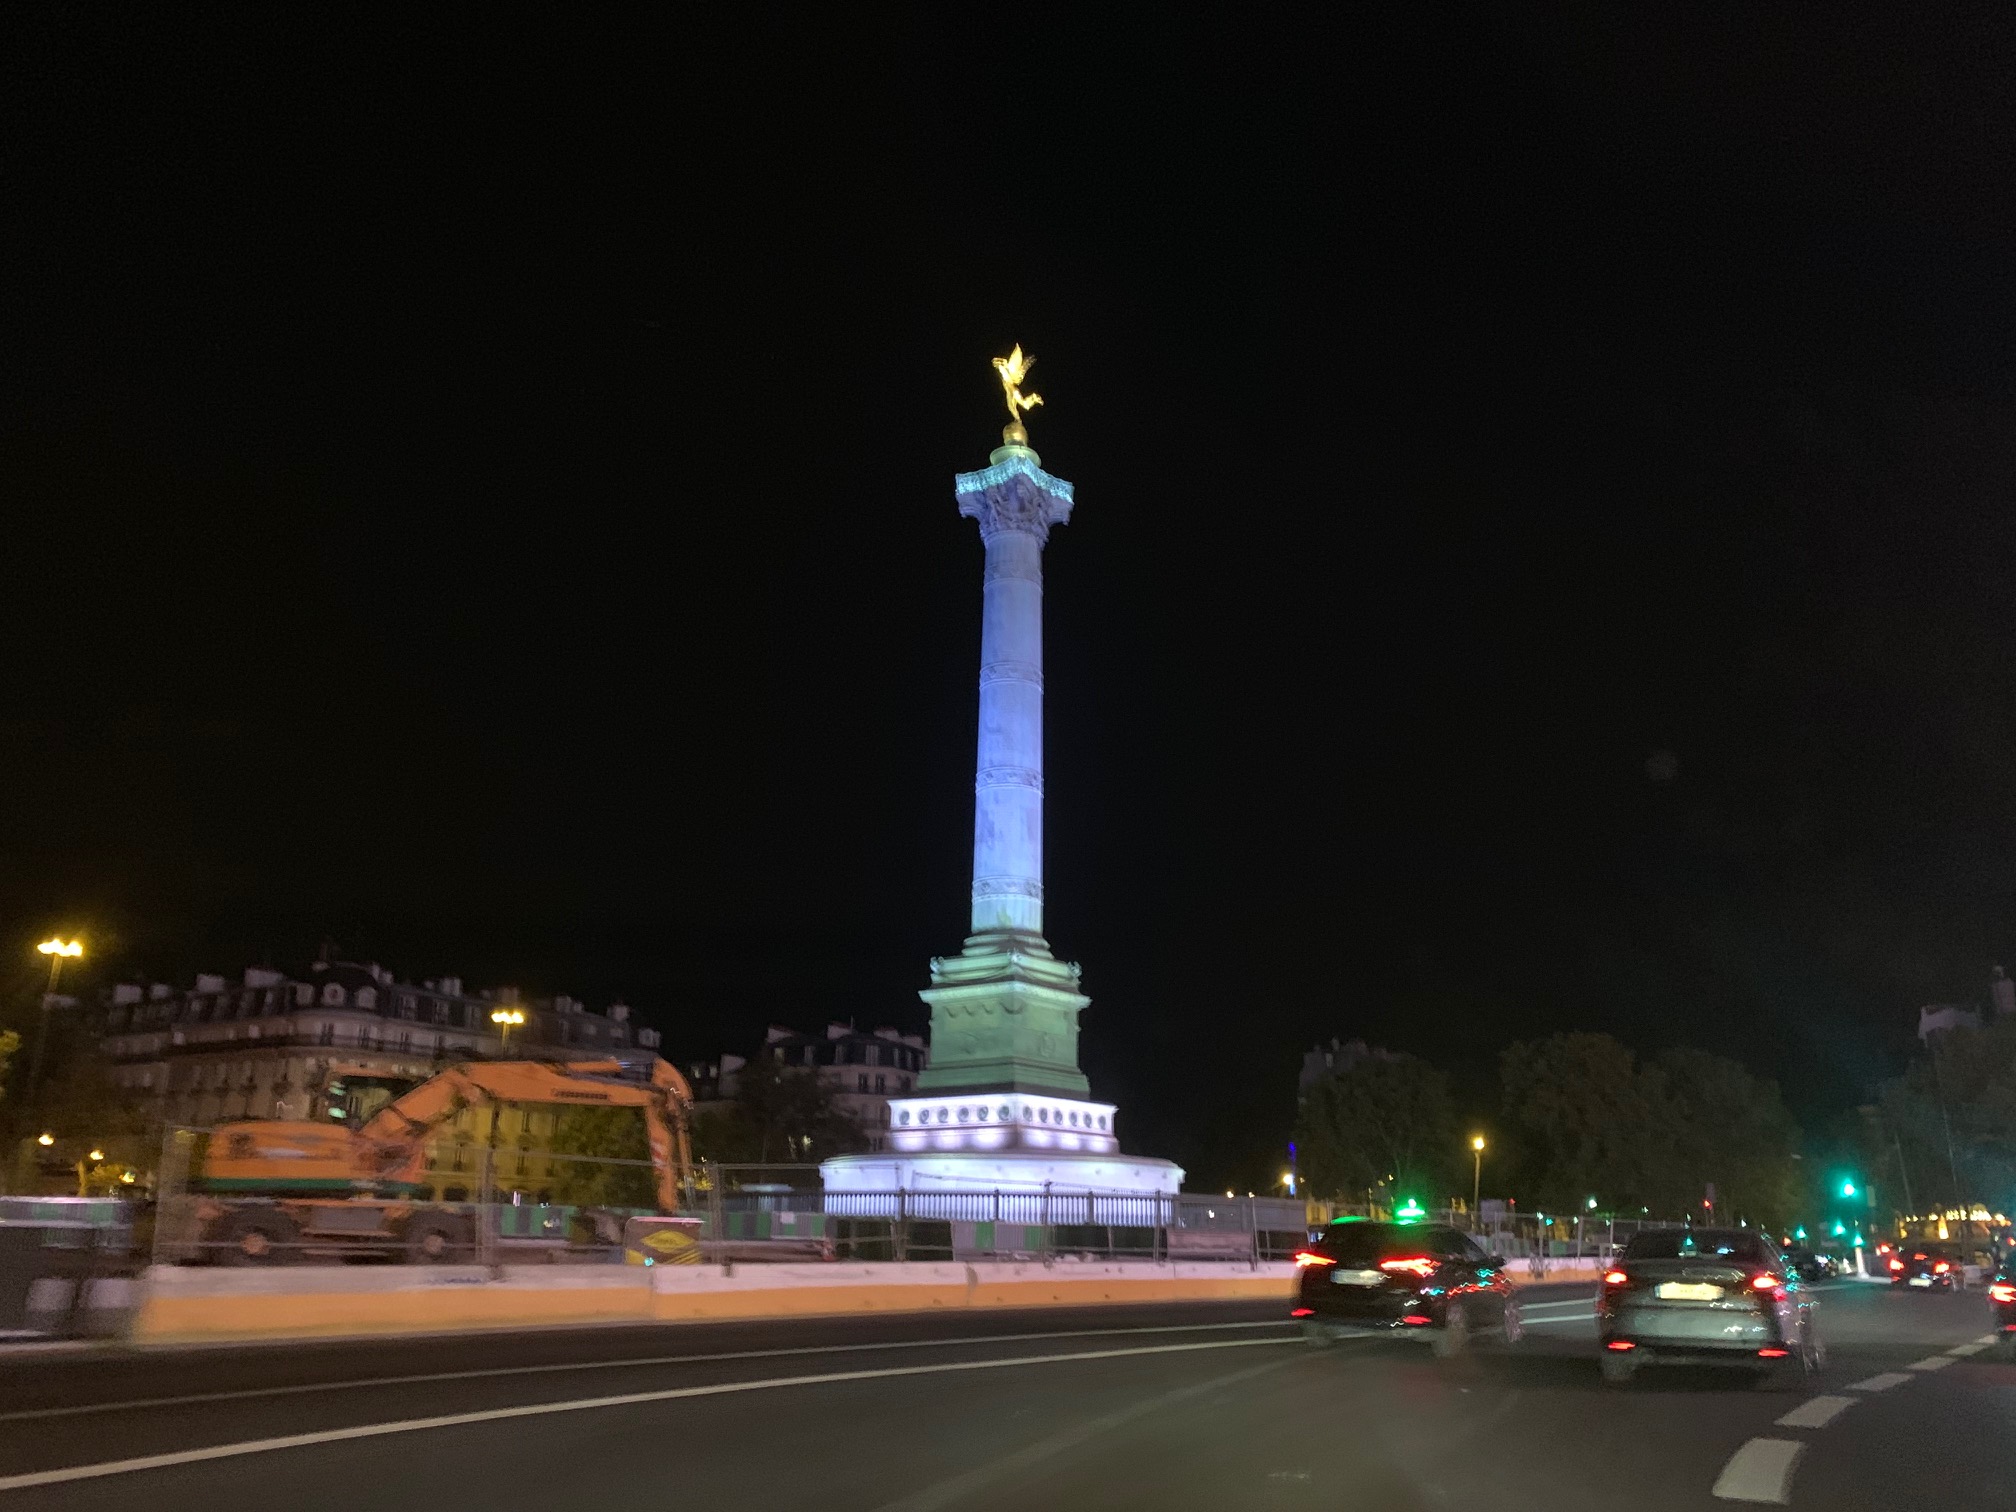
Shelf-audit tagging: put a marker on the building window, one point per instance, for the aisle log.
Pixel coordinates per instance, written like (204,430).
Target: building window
(862,1082)
(367,997)
(327,1035)
(333,995)
(303,995)
(878,1081)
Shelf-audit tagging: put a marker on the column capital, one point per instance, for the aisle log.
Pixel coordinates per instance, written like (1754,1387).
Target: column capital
(1013,495)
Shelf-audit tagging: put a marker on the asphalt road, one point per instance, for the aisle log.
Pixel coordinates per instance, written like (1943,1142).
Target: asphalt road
(1218,1406)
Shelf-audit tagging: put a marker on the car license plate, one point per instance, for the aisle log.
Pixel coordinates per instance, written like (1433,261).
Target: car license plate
(1356,1277)
(1921,1280)
(1687,1291)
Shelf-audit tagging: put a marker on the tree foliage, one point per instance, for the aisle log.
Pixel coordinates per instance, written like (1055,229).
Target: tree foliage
(780,1114)
(1387,1116)
(603,1135)
(1945,1131)
(1587,1120)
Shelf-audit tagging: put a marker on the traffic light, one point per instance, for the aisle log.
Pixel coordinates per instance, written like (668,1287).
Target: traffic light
(1848,1186)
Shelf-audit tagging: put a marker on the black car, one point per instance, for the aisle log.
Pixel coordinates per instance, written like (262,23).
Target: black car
(1704,1296)
(1926,1267)
(1808,1265)
(2002,1308)
(1420,1280)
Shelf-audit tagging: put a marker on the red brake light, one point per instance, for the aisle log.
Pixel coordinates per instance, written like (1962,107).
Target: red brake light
(1307,1258)
(1615,1278)
(1941,1268)
(1420,1265)
(1766,1282)
(2002,1291)
(1301,1312)
(1896,1265)
(1417,1318)
(1620,1344)
(1772,1354)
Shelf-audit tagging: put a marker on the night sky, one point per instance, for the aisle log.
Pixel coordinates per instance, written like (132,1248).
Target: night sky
(480,492)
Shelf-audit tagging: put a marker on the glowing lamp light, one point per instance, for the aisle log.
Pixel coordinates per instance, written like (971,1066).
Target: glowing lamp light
(68,949)
(1409,1211)
(126,1177)
(45,1140)
(1477,1143)
(96,1155)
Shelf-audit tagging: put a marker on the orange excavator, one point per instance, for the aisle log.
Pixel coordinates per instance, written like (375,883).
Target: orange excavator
(274,1191)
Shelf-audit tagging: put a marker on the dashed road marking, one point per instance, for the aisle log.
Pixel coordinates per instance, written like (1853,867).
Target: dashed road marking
(1881,1382)
(1967,1349)
(1761,1471)
(1816,1412)
(1931,1362)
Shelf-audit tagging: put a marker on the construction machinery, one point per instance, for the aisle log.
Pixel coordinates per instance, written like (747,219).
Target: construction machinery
(275,1191)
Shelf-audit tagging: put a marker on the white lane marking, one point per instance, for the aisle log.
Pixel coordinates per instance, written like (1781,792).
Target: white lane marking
(1761,1471)
(1931,1362)
(1964,1350)
(1881,1382)
(1987,1338)
(960,1488)
(507,1371)
(1817,1412)
(584,1404)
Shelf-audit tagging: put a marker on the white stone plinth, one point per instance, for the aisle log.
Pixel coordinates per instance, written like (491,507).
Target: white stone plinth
(1023,1171)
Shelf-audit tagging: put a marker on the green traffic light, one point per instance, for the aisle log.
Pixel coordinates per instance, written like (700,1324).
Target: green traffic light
(1847,1189)
(1409,1211)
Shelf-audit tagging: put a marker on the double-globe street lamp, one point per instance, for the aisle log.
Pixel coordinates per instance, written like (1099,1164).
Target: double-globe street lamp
(507,1019)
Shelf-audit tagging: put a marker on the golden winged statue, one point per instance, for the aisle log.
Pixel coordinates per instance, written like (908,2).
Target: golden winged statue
(1014,371)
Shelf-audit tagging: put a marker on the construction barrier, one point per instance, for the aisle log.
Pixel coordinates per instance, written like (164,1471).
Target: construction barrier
(182,1304)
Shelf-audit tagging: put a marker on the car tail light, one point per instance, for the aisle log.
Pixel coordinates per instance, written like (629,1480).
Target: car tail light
(1420,1265)
(2002,1291)
(1941,1268)
(1620,1344)
(1772,1354)
(1616,1278)
(1765,1281)
(1301,1312)
(1417,1318)
(1897,1265)
(1307,1258)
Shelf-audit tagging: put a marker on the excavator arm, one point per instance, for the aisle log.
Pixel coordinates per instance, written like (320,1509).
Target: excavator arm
(391,1144)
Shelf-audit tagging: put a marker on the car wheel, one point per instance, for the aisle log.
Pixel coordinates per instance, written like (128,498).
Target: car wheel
(1512,1328)
(1812,1349)
(1316,1336)
(1619,1366)
(1453,1337)
(256,1238)
(437,1239)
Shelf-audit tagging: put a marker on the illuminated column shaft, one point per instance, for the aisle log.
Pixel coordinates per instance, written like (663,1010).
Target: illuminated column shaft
(1015,503)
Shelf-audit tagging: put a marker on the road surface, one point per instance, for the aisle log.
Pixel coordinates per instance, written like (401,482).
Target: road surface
(1217,1405)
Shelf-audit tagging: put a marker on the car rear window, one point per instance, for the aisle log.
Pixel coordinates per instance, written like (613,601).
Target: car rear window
(1369,1243)
(1686,1244)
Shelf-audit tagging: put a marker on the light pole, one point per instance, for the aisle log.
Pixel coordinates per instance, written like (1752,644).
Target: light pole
(58,952)
(1476,1176)
(507,1019)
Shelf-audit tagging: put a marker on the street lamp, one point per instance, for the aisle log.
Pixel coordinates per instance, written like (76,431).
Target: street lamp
(507,1019)
(45,1140)
(58,952)
(1476,1174)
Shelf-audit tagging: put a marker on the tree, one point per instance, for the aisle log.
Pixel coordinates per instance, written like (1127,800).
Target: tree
(1385,1116)
(782,1114)
(1589,1121)
(1580,1113)
(603,1135)
(1726,1126)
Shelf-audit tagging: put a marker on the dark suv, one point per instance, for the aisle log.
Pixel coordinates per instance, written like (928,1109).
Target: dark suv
(1421,1280)
(1928,1267)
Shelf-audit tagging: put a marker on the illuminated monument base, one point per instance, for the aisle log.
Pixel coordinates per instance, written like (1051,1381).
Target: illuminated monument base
(1001,1105)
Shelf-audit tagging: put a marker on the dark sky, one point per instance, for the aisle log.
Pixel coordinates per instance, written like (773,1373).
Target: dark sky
(480,490)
